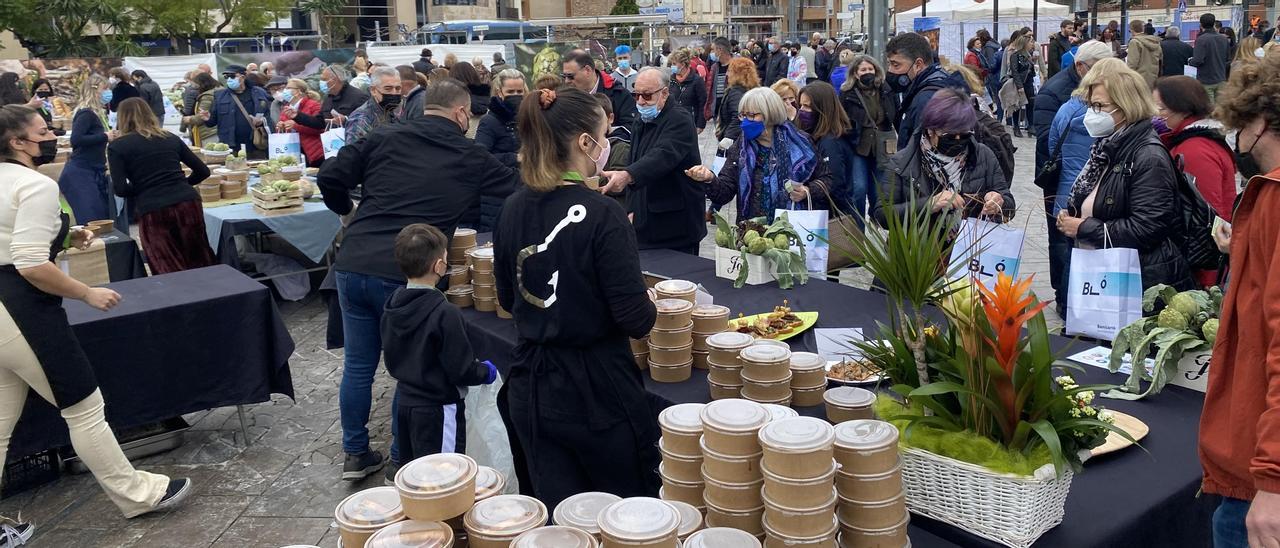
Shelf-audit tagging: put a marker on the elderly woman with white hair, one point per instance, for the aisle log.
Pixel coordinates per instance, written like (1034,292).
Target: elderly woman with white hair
(771,166)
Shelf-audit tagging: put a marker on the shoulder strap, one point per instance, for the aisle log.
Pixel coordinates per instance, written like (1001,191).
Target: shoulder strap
(240,105)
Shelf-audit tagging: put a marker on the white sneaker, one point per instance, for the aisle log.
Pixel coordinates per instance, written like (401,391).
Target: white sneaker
(15,533)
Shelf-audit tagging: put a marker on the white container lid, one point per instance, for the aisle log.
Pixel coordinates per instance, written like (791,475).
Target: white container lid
(730,340)
(850,396)
(412,534)
(807,361)
(721,537)
(489,482)
(639,519)
(711,311)
(773,342)
(482,253)
(690,518)
(797,435)
(735,415)
(672,306)
(505,515)
(464,232)
(455,269)
(435,475)
(779,412)
(682,417)
(675,287)
(555,536)
(765,353)
(866,434)
(370,508)
(581,511)
(464,289)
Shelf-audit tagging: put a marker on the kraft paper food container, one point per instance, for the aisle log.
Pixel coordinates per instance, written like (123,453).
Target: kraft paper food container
(457,255)
(730,469)
(483,290)
(779,412)
(766,391)
(411,534)
(676,289)
(461,296)
(733,496)
(774,539)
(437,487)
(362,514)
(765,355)
(721,537)
(485,305)
(489,483)
(893,536)
(555,536)
(869,486)
(480,277)
(582,510)
(724,374)
(766,372)
(866,447)
(802,523)
(846,403)
(700,341)
(680,467)
(700,360)
(502,313)
(640,522)
(673,313)
(681,426)
(724,347)
(808,370)
(459,275)
(464,238)
(748,521)
(799,448)
(670,373)
(690,491)
(799,493)
(729,427)
(724,391)
(690,518)
(806,397)
(873,515)
(496,521)
(710,318)
(642,361)
(639,345)
(236,175)
(677,355)
(671,338)
(481,259)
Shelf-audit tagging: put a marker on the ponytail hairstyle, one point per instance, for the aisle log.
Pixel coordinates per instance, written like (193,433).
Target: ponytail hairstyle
(549,123)
(14,120)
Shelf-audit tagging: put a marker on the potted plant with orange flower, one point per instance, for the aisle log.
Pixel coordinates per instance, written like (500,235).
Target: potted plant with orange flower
(995,428)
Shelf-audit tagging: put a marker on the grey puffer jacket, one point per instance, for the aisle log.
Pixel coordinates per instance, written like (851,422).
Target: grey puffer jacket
(909,185)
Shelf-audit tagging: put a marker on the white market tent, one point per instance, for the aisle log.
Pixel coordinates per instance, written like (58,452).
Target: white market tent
(969,10)
(961,19)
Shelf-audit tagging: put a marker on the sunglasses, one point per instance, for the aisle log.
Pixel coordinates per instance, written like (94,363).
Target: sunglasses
(646,96)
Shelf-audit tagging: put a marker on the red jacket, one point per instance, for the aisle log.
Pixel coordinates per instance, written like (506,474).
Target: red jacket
(1240,425)
(971,59)
(310,137)
(1211,163)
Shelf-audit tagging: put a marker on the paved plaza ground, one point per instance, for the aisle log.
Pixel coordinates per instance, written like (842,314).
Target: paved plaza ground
(282,487)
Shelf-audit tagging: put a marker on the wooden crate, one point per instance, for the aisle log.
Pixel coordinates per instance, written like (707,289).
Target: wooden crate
(276,202)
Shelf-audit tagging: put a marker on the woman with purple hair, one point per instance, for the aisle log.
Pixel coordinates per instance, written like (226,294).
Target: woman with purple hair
(944,170)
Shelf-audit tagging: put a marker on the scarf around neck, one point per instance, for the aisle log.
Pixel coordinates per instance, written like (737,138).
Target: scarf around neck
(793,159)
(1092,173)
(947,171)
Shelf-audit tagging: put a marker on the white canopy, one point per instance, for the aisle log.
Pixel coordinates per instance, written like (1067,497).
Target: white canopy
(970,10)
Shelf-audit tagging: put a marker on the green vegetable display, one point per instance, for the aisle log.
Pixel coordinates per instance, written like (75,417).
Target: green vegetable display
(217,147)
(773,242)
(1188,323)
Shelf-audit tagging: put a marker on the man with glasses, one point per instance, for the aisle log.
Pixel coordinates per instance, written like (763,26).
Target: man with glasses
(383,106)
(340,98)
(667,205)
(579,71)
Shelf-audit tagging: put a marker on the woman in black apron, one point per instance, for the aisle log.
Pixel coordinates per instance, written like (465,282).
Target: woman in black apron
(38,349)
(568,269)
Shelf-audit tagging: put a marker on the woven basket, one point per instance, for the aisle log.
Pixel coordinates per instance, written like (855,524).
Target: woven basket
(1012,510)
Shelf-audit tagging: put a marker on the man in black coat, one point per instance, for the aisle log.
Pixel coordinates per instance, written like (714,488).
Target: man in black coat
(1211,56)
(778,64)
(424,64)
(1059,44)
(826,60)
(579,71)
(912,71)
(150,92)
(1175,53)
(667,204)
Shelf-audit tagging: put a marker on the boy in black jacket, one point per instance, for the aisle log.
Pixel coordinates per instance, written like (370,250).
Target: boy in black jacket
(427,351)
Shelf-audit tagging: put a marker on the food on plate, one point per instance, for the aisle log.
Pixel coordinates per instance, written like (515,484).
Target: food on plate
(767,326)
(855,370)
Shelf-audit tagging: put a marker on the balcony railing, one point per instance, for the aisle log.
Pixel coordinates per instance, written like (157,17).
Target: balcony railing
(753,11)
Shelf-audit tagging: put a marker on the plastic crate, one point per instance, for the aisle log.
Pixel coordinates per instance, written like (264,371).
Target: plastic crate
(29,472)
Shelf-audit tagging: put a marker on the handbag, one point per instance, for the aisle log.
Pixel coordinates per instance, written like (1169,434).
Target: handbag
(1104,292)
(1198,216)
(842,231)
(1051,172)
(260,138)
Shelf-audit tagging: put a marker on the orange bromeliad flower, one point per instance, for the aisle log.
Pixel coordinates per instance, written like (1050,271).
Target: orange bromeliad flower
(1008,307)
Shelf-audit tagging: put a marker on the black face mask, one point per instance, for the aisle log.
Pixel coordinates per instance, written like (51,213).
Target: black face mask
(48,151)
(389,102)
(513,102)
(867,80)
(898,82)
(44,94)
(1246,164)
(952,145)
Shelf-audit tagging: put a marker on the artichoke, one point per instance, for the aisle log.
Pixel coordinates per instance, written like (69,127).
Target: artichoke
(758,245)
(750,236)
(723,239)
(1210,330)
(1170,318)
(781,241)
(1185,303)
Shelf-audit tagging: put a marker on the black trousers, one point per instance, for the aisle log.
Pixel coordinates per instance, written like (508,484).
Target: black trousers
(429,429)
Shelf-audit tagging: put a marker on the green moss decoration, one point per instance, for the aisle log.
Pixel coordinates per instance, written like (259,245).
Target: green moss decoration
(963,446)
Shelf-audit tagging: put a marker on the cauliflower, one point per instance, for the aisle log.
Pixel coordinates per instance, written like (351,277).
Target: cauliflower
(1172,319)
(1210,330)
(1185,303)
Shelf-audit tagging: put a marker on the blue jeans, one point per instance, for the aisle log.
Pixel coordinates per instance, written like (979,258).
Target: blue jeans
(1228,524)
(362,298)
(866,179)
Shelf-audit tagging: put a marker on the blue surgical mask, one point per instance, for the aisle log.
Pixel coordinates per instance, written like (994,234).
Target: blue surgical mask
(647,112)
(106,96)
(324,87)
(286,96)
(772,48)
(675,70)
(233,83)
(752,129)
(624,64)
(713,57)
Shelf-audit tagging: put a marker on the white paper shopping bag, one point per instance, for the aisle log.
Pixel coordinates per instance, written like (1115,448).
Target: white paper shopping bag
(333,139)
(1104,292)
(811,226)
(285,144)
(983,249)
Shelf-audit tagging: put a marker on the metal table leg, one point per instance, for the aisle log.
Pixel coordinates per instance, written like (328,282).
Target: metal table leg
(244,425)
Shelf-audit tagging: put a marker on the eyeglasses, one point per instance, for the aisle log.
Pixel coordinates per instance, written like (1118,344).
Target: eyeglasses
(1097,107)
(647,96)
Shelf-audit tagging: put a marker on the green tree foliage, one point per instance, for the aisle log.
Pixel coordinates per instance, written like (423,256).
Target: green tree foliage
(332,27)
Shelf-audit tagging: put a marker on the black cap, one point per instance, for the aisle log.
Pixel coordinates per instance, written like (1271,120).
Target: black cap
(234,69)
(277,81)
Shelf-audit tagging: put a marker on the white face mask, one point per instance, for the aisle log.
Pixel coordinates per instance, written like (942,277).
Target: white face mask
(604,154)
(113,81)
(1099,124)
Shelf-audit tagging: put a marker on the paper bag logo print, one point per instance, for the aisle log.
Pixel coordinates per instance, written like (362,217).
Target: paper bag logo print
(337,143)
(1110,284)
(987,266)
(576,214)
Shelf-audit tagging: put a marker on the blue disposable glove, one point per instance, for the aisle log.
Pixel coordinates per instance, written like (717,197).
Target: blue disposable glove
(493,372)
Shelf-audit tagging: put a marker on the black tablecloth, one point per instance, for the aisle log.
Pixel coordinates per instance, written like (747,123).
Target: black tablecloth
(124,260)
(178,343)
(1131,498)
